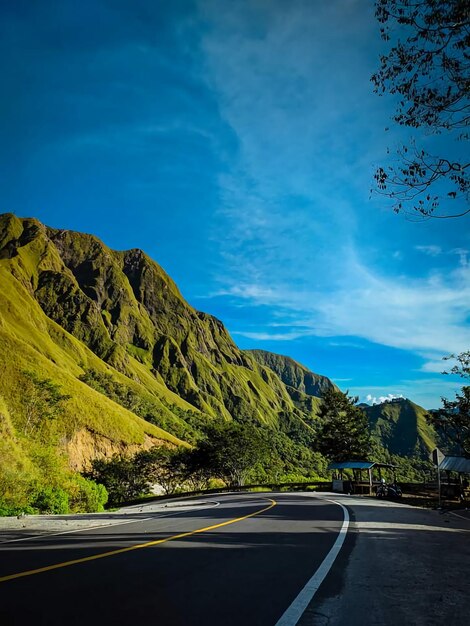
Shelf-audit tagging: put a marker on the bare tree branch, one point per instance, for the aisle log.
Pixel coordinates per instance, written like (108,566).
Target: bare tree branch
(430,72)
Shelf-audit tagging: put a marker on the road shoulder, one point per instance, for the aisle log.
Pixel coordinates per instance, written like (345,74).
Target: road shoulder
(401,564)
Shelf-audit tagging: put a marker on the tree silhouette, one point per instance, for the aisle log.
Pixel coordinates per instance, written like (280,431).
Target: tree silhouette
(429,72)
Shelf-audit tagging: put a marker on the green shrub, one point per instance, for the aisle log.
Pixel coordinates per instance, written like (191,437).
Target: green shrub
(50,500)
(7,509)
(86,496)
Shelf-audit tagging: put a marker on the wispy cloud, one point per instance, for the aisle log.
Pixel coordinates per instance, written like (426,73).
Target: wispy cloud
(440,366)
(462,253)
(295,229)
(429,250)
(254,292)
(422,315)
(269,336)
(433,367)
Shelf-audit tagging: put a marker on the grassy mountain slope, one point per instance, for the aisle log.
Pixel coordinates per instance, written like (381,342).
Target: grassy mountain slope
(113,331)
(126,309)
(303,386)
(400,426)
(30,341)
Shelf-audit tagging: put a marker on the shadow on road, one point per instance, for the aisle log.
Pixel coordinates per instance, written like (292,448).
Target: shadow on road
(398,565)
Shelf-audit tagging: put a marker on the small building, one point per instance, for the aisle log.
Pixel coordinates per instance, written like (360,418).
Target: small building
(457,472)
(365,475)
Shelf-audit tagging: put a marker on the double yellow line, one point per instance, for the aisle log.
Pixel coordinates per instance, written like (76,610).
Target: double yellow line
(148,544)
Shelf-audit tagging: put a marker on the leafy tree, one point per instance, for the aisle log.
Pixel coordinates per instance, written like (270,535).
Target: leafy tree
(287,456)
(50,500)
(344,431)
(161,466)
(231,451)
(196,473)
(43,402)
(462,365)
(121,476)
(429,72)
(86,496)
(453,419)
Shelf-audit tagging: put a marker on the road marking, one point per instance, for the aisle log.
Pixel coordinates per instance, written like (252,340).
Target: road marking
(295,611)
(120,523)
(467,519)
(139,546)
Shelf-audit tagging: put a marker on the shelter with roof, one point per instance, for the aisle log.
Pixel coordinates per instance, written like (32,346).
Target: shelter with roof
(459,487)
(365,474)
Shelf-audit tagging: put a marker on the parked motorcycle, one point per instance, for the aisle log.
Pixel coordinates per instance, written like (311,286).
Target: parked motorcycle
(394,491)
(381,491)
(389,491)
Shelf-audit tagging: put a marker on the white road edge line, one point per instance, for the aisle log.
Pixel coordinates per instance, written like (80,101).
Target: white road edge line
(461,516)
(82,530)
(295,611)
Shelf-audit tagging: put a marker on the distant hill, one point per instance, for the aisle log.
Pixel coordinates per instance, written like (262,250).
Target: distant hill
(400,426)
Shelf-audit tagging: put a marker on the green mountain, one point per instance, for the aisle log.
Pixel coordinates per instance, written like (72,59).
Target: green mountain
(101,354)
(139,366)
(400,426)
(303,386)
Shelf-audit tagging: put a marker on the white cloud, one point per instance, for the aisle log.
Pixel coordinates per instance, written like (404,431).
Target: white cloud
(370,399)
(462,253)
(433,367)
(416,314)
(425,392)
(346,344)
(439,366)
(429,250)
(256,293)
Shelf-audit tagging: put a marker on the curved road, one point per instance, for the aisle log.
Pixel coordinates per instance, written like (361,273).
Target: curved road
(225,560)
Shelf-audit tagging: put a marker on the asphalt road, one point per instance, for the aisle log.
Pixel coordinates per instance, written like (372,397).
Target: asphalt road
(233,560)
(399,565)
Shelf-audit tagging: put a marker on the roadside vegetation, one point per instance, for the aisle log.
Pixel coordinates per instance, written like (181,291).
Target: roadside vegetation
(34,474)
(35,477)
(228,454)
(235,454)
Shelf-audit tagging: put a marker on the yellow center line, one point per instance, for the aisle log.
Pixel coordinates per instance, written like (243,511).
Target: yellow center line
(148,544)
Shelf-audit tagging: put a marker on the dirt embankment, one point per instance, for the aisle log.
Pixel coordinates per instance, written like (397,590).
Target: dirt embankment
(85,446)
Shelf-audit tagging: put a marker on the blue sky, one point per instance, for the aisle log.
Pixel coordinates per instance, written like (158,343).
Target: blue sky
(235,142)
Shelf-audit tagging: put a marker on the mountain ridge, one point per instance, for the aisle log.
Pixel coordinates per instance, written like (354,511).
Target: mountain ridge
(129,313)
